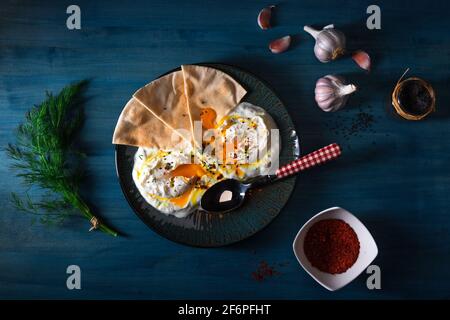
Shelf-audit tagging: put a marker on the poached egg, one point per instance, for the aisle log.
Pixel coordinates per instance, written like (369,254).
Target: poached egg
(238,146)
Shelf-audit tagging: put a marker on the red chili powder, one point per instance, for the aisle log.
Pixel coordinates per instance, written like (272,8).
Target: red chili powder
(264,271)
(331,246)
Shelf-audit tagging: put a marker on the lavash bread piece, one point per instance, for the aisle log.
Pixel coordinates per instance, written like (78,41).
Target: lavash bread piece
(165,98)
(137,126)
(176,100)
(207,87)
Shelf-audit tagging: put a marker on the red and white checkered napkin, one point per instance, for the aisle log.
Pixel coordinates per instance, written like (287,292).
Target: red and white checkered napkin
(312,159)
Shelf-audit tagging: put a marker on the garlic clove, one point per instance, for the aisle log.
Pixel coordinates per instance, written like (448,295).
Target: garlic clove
(264,17)
(280,45)
(362,59)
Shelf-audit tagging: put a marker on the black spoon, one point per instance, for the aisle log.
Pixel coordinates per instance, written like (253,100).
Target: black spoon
(229,194)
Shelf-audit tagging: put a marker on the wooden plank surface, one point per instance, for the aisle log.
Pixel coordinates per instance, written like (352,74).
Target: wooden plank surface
(393,175)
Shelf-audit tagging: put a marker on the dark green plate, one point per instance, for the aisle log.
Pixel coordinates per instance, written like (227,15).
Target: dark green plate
(261,207)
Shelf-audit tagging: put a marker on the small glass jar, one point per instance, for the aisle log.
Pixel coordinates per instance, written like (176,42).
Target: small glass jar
(412,107)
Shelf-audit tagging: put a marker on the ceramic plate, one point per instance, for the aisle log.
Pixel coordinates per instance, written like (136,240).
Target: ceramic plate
(261,207)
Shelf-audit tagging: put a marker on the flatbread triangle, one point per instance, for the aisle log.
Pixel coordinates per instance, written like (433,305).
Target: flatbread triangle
(139,127)
(209,88)
(164,112)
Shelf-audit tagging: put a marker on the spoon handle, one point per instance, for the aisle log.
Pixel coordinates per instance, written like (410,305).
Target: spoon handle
(312,159)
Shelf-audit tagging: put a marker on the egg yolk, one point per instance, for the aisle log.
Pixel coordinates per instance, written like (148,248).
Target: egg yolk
(240,173)
(188,171)
(208,118)
(182,200)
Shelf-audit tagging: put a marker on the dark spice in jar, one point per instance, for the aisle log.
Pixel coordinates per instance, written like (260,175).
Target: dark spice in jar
(414,97)
(331,246)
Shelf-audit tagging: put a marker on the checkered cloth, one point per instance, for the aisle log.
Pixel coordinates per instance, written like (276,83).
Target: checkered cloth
(325,154)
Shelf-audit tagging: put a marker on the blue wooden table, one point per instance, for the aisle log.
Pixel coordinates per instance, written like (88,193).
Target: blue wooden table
(393,175)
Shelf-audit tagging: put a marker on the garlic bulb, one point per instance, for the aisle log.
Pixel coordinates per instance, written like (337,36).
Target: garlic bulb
(332,93)
(330,42)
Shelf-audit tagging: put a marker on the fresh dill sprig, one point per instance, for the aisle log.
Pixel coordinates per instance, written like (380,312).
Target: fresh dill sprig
(49,212)
(45,156)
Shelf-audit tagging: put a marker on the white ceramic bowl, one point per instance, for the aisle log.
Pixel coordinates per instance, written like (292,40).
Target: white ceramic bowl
(367,251)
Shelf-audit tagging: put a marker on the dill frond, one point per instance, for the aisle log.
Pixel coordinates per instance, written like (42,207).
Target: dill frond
(45,156)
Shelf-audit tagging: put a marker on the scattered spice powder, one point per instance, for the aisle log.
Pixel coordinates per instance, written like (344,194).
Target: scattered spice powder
(264,271)
(331,246)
